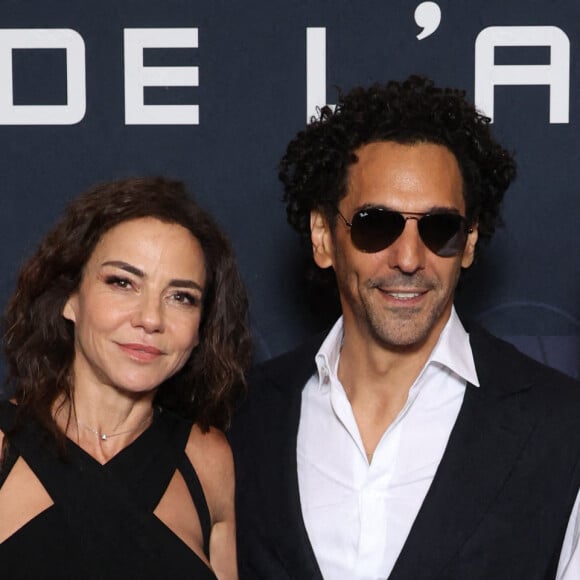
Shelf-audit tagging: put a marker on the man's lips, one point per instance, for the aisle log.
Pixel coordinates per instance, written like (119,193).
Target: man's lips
(402,297)
(140,351)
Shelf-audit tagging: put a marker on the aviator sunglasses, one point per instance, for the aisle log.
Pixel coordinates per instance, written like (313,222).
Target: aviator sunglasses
(375,228)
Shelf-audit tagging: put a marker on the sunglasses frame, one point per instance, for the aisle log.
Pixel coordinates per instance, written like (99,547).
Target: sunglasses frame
(464,228)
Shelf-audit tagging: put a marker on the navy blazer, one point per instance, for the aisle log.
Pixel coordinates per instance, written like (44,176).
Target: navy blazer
(498,505)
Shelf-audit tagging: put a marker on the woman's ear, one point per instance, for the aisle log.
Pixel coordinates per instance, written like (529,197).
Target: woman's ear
(70,308)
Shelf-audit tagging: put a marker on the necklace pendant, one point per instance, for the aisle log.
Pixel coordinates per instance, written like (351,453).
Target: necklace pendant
(105,437)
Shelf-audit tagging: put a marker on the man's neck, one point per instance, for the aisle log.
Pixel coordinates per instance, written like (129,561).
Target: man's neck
(377,380)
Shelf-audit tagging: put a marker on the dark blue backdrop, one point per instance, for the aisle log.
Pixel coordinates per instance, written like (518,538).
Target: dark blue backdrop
(250,74)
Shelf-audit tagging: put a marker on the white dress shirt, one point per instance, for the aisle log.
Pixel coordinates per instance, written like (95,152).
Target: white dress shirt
(358,515)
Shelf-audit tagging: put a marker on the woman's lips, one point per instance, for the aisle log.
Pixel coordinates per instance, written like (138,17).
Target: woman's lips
(140,352)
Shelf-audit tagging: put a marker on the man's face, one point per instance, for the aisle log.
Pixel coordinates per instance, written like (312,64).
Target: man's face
(401,296)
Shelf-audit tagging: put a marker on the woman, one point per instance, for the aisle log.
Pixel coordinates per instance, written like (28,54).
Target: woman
(130,311)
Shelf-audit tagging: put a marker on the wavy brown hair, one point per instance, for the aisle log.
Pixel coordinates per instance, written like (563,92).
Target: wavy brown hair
(39,341)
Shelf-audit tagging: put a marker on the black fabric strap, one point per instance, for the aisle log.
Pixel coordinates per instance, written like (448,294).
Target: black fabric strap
(196,491)
(149,467)
(7,415)
(7,418)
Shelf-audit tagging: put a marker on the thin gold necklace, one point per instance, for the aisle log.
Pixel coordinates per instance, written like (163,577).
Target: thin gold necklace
(105,437)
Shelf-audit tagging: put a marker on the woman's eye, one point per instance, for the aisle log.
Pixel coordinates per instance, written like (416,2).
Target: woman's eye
(118,281)
(186,298)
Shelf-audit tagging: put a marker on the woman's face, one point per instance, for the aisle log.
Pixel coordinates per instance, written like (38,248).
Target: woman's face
(138,308)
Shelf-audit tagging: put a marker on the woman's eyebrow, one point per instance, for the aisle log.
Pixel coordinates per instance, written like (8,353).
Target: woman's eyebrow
(175,283)
(185,284)
(125,266)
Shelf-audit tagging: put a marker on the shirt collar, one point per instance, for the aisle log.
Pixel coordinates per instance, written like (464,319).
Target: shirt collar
(452,351)
(328,354)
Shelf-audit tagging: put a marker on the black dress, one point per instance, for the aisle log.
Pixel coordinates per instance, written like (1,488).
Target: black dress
(101,524)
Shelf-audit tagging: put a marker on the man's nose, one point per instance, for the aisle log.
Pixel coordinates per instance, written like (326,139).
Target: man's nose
(408,252)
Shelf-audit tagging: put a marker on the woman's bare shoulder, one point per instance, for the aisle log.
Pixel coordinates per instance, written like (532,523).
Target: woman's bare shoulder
(209,450)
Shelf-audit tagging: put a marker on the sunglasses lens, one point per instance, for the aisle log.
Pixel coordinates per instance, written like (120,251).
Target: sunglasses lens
(444,234)
(374,229)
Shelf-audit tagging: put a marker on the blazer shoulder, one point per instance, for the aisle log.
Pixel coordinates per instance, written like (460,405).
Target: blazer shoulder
(273,384)
(500,363)
(282,370)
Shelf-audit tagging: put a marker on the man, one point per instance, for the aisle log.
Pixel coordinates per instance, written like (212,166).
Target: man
(399,446)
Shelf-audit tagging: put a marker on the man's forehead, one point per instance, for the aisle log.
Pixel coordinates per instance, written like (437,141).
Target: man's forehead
(411,177)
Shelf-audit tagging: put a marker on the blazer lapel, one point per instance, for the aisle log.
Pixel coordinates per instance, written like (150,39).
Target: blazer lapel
(490,432)
(288,377)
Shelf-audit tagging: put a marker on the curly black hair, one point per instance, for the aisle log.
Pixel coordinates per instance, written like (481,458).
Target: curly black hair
(314,170)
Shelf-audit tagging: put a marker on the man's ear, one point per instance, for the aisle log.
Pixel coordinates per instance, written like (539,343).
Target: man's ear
(321,236)
(469,251)
(70,308)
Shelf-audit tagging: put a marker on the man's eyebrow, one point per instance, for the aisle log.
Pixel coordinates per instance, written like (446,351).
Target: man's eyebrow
(175,283)
(431,210)
(443,209)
